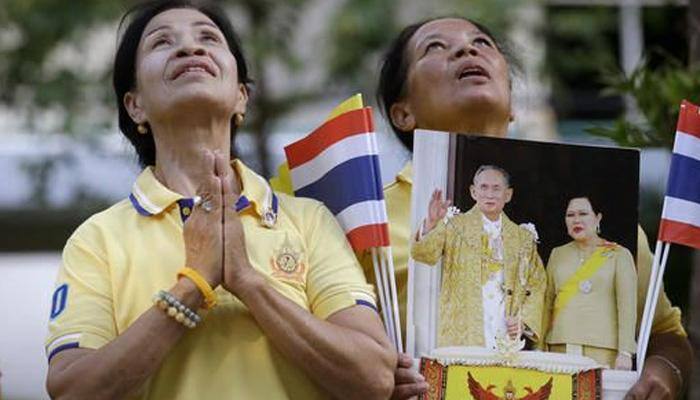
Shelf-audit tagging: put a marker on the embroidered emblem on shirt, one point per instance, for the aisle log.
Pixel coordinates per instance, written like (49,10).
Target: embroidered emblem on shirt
(287,262)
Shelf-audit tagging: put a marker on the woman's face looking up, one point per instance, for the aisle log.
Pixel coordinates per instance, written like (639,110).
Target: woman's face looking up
(184,63)
(456,76)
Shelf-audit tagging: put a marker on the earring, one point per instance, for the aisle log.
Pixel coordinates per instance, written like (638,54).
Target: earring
(238,119)
(597,229)
(142,129)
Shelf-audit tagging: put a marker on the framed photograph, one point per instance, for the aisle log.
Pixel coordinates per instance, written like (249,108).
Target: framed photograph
(524,245)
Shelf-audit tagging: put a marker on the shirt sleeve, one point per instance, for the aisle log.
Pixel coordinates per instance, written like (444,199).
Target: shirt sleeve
(533,309)
(335,280)
(429,248)
(550,293)
(81,307)
(626,298)
(667,318)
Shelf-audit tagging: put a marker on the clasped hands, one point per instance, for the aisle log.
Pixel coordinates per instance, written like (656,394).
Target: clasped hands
(213,233)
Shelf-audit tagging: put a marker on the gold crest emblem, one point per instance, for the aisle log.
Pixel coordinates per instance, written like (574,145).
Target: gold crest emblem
(287,262)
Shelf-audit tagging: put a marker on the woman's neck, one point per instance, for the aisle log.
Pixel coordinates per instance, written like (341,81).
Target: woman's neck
(181,150)
(483,128)
(588,244)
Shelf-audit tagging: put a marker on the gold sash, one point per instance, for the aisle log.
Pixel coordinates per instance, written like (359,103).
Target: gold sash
(571,287)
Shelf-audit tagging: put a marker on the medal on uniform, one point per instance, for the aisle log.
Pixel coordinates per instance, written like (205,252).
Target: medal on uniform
(585,287)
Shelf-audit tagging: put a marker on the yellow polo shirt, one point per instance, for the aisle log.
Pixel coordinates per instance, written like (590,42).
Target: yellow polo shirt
(398,202)
(119,258)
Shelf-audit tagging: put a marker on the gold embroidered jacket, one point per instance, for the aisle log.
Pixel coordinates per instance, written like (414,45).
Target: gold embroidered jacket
(459,242)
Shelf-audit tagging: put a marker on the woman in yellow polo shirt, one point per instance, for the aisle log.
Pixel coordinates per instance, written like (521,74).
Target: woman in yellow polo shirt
(451,74)
(204,283)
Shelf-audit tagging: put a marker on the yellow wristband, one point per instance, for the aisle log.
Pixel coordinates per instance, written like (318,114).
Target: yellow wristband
(202,285)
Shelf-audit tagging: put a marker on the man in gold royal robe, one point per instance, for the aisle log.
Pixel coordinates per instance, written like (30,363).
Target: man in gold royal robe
(493,280)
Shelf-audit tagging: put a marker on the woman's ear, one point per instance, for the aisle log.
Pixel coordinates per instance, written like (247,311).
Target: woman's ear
(402,117)
(242,101)
(132,103)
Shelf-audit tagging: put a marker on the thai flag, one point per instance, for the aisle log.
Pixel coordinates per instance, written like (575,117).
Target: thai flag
(338,164)
(680,218)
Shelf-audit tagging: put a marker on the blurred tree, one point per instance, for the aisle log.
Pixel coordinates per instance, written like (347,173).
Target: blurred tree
(45,45)
(46,66)
(579,41)
(32,76)
(658,93)
(658,88)
(268,37)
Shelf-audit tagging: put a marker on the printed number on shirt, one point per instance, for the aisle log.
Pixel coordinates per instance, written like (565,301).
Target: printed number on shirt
(58,302)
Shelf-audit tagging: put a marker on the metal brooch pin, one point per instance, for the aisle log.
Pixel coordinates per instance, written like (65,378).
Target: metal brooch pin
(585,286)
(269,218)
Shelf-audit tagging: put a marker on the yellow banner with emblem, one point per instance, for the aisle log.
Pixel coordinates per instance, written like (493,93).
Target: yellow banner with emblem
(465,382)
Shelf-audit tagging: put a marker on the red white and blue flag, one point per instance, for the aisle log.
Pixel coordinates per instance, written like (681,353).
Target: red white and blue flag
(338,164)
(680,218)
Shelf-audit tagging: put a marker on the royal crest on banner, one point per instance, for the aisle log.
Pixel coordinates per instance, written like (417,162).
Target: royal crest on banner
(473,382)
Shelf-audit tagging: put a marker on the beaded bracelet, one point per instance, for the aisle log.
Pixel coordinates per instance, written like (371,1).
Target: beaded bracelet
(175,309)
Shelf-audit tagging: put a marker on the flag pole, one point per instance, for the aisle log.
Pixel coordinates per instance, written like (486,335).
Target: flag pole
(394,298)
(391,325)
(655,284)
(380,291)
(646,317)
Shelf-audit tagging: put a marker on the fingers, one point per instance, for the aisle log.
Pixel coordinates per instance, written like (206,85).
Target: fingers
(660,392)
(649,387)
(639,391)
(409,383)
(209,189)
(404,361)
(229,189)
(221,166)
(410,390)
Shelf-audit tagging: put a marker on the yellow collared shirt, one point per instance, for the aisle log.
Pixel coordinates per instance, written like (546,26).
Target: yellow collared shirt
(117,259)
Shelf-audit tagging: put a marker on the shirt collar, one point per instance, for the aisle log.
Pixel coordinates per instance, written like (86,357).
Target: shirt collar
(406,173)
(255,191)
(493,228)
(150,197)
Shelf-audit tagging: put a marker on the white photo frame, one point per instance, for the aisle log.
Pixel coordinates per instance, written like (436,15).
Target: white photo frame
(433,165)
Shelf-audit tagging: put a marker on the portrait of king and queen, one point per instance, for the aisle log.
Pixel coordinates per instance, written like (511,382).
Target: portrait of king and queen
(523,245)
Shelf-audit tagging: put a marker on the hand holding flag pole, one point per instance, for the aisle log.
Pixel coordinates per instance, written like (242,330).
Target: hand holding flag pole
(680,217)
(338,164)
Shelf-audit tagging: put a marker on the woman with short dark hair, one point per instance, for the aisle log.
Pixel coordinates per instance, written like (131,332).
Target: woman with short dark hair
(452,74)
(204,283)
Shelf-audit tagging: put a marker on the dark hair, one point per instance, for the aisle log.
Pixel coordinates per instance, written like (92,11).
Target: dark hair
(124,78)
(392,77)
(482,168)
(582,195)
